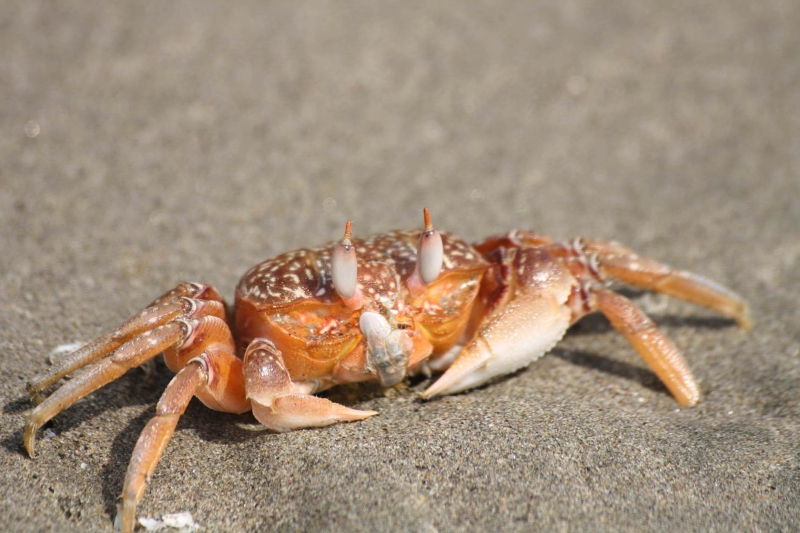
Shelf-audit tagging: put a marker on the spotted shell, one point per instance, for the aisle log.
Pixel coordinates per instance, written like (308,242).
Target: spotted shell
(385,262)
(291,301)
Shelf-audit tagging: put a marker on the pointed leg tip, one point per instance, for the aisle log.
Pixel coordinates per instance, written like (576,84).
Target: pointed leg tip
(299,411)
(743,319)
(128,513)
(689,401)
(29,439)
(686,394)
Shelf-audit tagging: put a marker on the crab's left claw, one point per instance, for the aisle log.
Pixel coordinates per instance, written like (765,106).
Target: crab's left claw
(520,332)
(527,329)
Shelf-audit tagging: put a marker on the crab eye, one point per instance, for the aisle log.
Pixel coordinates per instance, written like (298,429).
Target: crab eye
(344,269)
(430,251)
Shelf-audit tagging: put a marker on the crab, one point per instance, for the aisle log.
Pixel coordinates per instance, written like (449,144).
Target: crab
(380,308)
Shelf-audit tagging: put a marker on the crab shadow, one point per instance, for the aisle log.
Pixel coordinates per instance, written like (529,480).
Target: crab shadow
(644,377)
(597,323)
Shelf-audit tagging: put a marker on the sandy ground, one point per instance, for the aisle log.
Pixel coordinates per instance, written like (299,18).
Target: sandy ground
(142,145)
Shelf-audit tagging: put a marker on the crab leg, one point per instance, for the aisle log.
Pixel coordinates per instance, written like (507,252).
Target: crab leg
(188,334)
(653,346)
(162,310)
(157,433)
(623,264)
(131,354)
(99,348)
(282,405)
(87,354)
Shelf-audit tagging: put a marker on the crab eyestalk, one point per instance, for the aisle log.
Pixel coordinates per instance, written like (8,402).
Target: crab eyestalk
(344,271)
(430,254)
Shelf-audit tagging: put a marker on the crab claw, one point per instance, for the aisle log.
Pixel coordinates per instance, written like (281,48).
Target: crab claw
(344,271)
(430,255)
(388,350)
(282,405)
(527,327)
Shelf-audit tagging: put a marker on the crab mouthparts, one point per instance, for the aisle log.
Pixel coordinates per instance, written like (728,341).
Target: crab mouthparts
(388,350)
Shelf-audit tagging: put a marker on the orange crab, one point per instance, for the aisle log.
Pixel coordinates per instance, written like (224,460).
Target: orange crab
(378,308)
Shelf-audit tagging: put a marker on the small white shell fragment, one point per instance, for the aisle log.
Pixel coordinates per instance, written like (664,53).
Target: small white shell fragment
(151,524)
(66,348)
(49,433)
(182,519)
(183,522)
(63,349)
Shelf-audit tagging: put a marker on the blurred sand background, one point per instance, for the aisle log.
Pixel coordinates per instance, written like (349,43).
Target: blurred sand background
(146,144)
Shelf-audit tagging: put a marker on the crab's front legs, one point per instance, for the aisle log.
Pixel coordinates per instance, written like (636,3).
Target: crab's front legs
(184,300)
(178,319)
(282,405)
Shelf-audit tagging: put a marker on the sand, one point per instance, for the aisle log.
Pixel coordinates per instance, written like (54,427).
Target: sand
(147,144)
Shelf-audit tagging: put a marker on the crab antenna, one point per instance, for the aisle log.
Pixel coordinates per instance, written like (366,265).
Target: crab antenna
(430,254)
(344,271)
